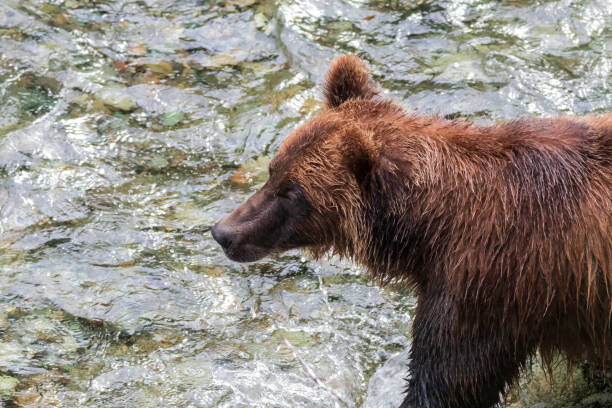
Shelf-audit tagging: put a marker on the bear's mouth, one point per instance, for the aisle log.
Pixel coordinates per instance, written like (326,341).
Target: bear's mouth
(246,252)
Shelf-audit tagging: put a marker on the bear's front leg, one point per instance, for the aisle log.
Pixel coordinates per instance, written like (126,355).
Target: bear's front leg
(459,363)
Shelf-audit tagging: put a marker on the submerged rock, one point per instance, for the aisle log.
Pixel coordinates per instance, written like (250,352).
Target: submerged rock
(4,323)
(13,356)
(116,98)
(7,385)
(171,118)
(41,390)
(220,60)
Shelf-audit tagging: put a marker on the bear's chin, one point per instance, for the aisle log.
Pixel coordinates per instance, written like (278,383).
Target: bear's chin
(246,253)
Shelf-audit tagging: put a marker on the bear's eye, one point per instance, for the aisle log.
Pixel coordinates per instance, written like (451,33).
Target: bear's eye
(285,191)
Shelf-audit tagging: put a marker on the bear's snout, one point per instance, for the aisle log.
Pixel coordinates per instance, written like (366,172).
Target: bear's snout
(248,233)
(222,235)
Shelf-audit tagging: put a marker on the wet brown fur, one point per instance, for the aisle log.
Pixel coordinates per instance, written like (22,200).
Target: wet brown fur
(504,231)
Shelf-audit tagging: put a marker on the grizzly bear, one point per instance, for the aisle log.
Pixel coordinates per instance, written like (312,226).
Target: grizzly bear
(504,231)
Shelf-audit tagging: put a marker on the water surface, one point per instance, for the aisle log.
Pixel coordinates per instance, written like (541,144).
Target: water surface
(128,127)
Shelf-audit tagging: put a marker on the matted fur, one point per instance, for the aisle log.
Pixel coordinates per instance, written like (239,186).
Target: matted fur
(504,231)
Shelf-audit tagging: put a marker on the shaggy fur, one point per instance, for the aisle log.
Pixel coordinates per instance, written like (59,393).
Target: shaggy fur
(505,231)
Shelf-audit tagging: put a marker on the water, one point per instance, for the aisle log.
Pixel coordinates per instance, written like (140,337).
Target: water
(128,127)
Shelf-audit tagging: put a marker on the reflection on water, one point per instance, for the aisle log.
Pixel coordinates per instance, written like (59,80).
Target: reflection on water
(128,127)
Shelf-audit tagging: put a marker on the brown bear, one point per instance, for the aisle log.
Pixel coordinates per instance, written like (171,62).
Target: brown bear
(504,231)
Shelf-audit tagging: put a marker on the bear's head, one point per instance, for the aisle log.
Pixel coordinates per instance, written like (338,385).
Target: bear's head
(314,197)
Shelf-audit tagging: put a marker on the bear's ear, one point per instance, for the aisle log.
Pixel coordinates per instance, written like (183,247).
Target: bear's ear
(348,78)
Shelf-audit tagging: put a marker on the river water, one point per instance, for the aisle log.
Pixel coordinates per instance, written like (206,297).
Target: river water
(127,128)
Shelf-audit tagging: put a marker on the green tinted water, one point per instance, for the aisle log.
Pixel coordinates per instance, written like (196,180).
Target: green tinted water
(128,127)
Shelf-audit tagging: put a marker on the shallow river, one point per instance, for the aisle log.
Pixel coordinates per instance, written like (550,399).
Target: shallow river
(128,127)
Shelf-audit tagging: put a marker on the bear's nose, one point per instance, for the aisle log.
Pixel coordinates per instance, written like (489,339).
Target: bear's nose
(221,235)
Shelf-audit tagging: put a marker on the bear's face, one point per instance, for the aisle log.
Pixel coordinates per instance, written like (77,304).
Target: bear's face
(271,220)
(317,168)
